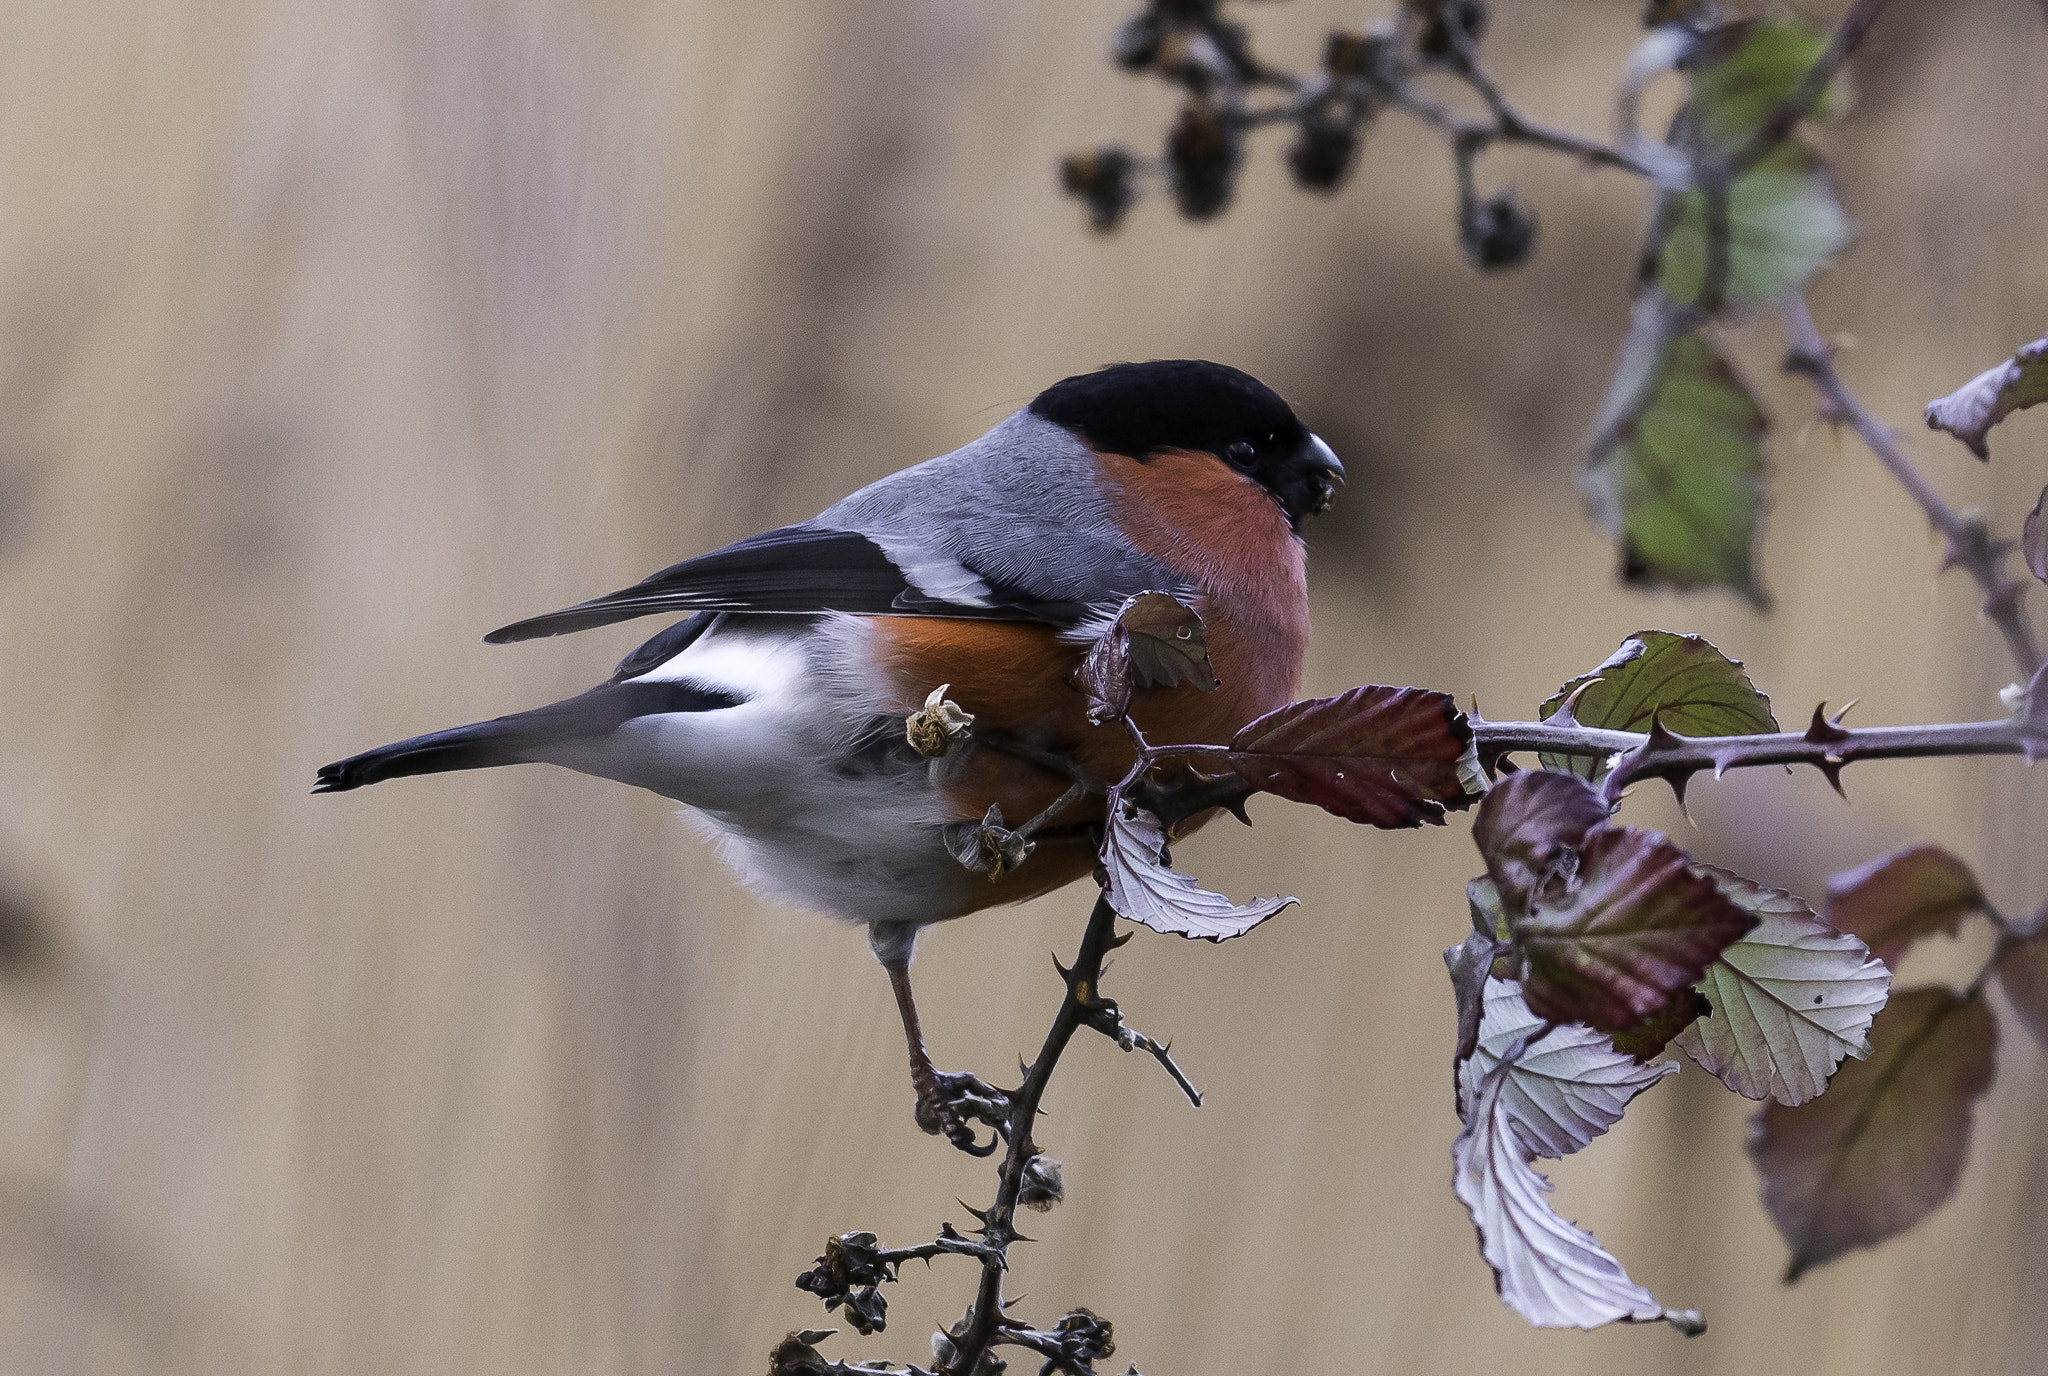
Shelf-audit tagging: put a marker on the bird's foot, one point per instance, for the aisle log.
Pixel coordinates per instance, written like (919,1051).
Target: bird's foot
(949,1105)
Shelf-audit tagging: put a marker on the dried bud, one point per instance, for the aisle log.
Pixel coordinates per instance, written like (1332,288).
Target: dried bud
(1326,145)
(939,727)
(797,1354)
(943,1351)
(1135,45)
(1086,1336)
(1202,155)
(1447,25)
(987,847)
(1106,181)
(866,1310)
(850,1260)
(1042,1186)
(1496,232)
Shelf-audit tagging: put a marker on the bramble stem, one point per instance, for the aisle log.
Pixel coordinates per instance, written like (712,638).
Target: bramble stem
(984,1325)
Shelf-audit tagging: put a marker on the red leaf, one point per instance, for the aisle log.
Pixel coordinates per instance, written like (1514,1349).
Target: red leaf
(2024,975)
(1896,899)
(1883,1147)
(1384,756)
(1528,824)
(1624,937)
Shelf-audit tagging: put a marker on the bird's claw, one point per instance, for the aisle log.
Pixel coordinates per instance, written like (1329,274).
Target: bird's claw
(949,1105)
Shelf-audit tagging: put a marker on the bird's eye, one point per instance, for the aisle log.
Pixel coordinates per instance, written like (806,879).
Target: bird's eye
(1240,453)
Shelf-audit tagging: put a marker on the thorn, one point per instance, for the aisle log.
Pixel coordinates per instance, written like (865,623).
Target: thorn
(1124,940)
(1826,730)
(1661,737)
(1678,783)
(1831,766)
(1064,972)
(1567,711)
(1473,716)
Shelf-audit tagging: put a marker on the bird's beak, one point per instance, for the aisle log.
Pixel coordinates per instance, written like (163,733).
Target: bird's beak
(1326,470)
(1325,458)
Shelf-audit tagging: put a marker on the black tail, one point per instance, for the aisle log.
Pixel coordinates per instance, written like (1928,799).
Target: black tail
(506,740)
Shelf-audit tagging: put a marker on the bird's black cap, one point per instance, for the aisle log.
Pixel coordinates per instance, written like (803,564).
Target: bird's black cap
(1142,409)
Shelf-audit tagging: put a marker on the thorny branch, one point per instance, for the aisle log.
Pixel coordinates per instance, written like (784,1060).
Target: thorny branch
(1970,544)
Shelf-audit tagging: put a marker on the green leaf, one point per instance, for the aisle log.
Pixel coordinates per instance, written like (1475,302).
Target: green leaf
(1894,900)
(1790,1000)
(1693,687)
(1972,409)
(1883,1147)
(1784,225)
(1675,467)
(1747,69)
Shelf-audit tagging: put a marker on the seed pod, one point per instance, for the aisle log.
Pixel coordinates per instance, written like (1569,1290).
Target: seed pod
(1203,151)
(1496,232)
(1105,180)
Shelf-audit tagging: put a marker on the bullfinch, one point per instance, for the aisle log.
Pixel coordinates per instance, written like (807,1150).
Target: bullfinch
(777,709)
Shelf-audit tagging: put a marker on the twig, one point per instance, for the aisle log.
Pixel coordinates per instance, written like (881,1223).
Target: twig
(1826,744)
(998,1224)
(1970,544)
(1847,37)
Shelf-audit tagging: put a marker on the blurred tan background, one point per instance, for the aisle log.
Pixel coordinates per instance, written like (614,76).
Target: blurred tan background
(332,335)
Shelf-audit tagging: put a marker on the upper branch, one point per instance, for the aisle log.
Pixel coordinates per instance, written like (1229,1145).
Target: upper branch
(1970,544)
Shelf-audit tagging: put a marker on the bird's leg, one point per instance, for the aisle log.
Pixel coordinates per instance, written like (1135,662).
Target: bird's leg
(947,1104)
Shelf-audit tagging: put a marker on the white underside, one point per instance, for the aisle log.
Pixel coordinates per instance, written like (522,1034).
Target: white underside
(800,810)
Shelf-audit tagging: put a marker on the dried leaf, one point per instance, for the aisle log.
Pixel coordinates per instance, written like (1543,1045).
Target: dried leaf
(1883,1147)
(1156,641)
(1489,916)
(1784,225)
(1553,1274)
(2023,974)
(2034,538)
(1143,889)
(1527,826)
(1563,1090)
(1385,756)
(1168,645)
(1790,1000)
(1674,470)
(1626,935)
(1972,409)
(1468,965)
(1896,899)
(1681,679)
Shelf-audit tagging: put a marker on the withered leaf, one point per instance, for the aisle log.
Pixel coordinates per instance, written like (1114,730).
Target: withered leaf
(1565,1088)
(1385,756)
(1884,1146)
(1896,899)
(1791,999)
(1527,825)
(1468,965)
(1626,935)
(1551,1273)
(1142,889)
(1972,409)
(1156,641)
(1682,680)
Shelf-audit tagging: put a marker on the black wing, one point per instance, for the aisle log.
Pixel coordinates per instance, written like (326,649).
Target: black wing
(800,568)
